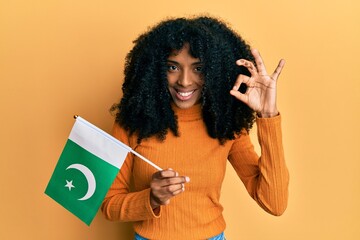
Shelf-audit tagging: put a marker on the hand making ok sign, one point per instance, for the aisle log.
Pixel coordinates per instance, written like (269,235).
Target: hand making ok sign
(260,94)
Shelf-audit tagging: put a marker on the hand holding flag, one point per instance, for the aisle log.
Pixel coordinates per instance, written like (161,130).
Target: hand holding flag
(86,169)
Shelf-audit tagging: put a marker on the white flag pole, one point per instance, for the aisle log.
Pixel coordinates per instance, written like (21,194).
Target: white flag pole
(146,160)
(135,153)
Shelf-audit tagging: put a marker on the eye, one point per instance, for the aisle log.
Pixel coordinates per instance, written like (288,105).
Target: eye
(172,68)
(198,69)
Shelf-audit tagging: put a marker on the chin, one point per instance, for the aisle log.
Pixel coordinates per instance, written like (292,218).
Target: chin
(184,105)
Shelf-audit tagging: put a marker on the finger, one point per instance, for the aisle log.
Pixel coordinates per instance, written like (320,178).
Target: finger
(163,194)
(278,69)
(165,173)
(238,95)
(169,173)
(174,180)
(249,65)
(239,80)
(174,188)
(259,62)
(178,192)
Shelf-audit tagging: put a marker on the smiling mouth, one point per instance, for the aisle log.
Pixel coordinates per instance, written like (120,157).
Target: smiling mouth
(183,96)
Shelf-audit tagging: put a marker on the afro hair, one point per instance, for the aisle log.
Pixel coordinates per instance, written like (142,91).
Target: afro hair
(145,108)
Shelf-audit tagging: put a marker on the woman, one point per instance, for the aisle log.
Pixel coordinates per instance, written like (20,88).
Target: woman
(192,91)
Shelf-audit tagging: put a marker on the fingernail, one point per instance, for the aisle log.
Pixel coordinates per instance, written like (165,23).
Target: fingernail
(187,179)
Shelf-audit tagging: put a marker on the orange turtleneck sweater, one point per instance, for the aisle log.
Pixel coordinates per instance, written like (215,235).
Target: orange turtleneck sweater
(197,213)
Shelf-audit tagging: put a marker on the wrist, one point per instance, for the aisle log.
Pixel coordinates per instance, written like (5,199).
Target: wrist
(268,114)
(155,206)
(153,202)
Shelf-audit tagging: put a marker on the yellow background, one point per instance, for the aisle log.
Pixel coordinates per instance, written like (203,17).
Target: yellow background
(59,58)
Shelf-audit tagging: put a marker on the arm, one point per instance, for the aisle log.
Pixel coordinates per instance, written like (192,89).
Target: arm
(123,205)
(120,204)
(265,178)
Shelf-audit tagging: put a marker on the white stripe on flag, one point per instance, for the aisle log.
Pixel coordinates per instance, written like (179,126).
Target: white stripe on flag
(98,142)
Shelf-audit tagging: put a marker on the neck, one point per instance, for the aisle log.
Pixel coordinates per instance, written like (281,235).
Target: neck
(187,114)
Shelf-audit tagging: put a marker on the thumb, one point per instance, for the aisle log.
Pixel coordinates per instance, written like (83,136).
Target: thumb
(240,96)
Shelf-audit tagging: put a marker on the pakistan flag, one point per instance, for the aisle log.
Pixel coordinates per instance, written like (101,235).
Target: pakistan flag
(86,169)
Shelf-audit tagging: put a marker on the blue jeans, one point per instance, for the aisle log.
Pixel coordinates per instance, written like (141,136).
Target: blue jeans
(221,236)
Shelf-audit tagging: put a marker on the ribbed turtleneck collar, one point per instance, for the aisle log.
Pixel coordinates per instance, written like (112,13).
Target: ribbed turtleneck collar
(189,114)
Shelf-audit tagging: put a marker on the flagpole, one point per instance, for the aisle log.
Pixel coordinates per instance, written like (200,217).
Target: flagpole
(146,160)
(137,154)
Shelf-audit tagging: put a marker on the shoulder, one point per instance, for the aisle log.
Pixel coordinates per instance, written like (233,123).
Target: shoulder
(123,135)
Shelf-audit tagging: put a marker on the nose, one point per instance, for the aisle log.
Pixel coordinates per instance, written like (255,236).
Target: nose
(185,79)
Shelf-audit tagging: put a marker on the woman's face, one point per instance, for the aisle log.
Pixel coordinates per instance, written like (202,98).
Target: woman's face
(184,78)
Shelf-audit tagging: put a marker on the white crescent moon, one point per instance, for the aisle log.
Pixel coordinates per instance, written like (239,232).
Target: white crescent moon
(89,177)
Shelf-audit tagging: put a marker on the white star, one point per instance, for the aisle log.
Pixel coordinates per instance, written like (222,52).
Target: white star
(69,184)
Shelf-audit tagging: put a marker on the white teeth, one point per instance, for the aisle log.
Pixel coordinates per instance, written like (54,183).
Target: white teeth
(185,94)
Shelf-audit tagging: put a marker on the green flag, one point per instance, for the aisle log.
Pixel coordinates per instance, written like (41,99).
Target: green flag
(86,169)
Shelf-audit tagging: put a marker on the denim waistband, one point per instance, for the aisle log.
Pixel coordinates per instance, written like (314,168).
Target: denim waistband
(221,236)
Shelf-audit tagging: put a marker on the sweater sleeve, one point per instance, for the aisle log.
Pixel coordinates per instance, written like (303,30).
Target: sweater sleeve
(120,204)
(265,178)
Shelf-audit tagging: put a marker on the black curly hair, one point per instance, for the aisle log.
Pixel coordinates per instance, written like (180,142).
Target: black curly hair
(145,108)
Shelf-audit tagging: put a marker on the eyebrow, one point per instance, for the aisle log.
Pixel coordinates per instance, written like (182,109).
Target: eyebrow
(175,62)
